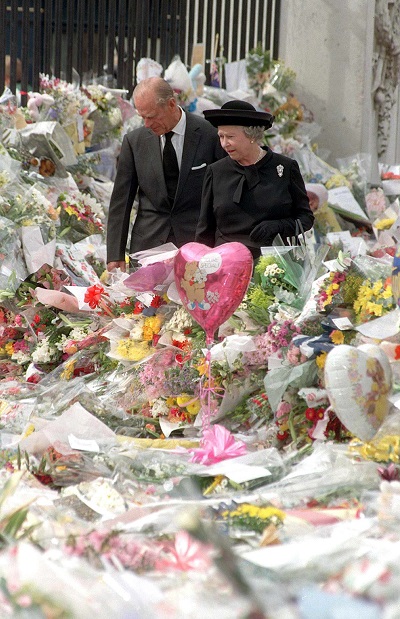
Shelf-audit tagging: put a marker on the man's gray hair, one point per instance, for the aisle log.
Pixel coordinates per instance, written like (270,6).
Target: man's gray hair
(157,87)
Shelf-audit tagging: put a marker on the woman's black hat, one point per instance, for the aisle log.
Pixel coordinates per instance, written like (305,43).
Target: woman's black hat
(238,112)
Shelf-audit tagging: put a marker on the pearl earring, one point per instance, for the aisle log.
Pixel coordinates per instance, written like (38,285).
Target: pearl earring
(251,141)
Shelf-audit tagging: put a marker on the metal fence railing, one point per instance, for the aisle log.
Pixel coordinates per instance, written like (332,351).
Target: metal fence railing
(85,39)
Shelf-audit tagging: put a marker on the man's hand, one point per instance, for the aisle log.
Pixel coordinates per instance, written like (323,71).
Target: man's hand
(119,264)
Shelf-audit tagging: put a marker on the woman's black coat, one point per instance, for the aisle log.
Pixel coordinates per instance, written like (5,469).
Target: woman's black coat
(261,201)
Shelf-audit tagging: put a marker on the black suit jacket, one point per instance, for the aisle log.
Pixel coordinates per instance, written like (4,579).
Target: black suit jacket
(140,173)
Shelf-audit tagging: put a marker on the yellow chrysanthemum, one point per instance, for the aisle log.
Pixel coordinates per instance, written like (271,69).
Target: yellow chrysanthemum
(151,326)
(202,368)
(374,308)
(387,293)
(153,323)
(132,350)
(269,512)
(377,287)
(321,359)
(71,211)
(147,334)
(68,371)
(193,408)
(183,399)
(9,348)
(337,337)
(256,512)
(30,428)
(337,180)
(384,224)
(386,449)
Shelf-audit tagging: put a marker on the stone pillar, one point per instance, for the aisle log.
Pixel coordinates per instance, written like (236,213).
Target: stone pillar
(386,73)
(330,46)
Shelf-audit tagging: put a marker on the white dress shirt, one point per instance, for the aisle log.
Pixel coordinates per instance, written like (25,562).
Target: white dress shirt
(178,138)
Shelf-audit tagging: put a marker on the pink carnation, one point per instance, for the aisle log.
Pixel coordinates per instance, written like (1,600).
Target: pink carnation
(283,409)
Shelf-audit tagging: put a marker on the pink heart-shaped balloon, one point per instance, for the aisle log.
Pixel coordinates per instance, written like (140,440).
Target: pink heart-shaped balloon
(212,282)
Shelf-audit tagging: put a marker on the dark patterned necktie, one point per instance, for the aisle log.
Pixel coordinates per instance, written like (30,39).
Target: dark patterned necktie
(170,165)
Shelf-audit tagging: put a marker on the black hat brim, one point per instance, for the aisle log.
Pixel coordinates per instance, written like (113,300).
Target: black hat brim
(245,118)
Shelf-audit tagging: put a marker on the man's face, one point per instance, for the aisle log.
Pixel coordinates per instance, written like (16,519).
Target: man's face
(160,118)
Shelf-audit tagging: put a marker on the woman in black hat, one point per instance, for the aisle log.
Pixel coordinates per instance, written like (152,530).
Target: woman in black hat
(254,194)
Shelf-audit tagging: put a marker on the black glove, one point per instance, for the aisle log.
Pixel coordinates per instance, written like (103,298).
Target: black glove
(265,232)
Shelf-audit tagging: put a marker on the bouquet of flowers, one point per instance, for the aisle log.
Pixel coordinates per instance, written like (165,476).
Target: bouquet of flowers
(267,76)
(46,277)
(250,517)
(131,339)
(178,378)
(353,283)
(29,207)
(376,203)
(12,263)
(97,546)
(356,170)
(274,341)
(80,216)
(368,288)
(107,116)
(14,340)
(374,299)
(253,410)
(152,466)
(178,409)
(340,288)
(283,277)
(269,279)
(67,100)
(85,168)
(300,420)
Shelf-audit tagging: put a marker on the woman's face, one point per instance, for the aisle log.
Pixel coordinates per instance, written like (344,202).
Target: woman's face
(235,142)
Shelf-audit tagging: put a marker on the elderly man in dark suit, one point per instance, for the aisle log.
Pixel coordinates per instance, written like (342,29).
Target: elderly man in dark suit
(163,163)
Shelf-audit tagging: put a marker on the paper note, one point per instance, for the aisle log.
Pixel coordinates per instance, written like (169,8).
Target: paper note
(341,199)
(82,444)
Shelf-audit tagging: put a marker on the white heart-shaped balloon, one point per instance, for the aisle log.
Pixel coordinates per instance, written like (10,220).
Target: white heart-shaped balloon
(358,382)
(379,353)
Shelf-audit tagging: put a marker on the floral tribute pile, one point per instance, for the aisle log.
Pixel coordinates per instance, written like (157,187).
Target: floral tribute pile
(116,497)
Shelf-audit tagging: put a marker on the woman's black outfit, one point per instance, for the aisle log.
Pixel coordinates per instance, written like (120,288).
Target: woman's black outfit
(252,204)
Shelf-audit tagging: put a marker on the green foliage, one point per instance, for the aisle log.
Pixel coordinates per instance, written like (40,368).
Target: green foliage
(258,303)
(350,288)
(12,523)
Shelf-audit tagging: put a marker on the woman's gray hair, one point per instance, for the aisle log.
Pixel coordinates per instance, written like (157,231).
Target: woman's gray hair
(254,133)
